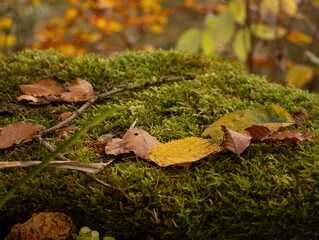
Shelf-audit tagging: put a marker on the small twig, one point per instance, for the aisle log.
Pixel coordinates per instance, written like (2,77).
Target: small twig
(46,145)
(108,94)
(107,185)
(50,148)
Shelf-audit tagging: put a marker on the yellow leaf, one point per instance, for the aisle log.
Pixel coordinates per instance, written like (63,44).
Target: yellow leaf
(238,9)
(7,40)
(267,32)
(242,44)
(185,150)
(5,23)
(71,14)
(298,37)
(299,75)
(290,7)
(239,120)
(269,9)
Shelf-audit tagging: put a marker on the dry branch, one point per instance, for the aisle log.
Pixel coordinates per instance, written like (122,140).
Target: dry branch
(108,94)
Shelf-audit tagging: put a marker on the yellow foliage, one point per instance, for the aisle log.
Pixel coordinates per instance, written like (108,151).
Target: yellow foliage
(299,75)
(181,151)
(7,39)
(5,23)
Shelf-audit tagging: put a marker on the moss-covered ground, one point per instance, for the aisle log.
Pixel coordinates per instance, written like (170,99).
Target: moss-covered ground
(270,192)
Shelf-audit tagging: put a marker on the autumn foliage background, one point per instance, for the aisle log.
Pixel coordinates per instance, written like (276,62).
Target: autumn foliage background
(277,38)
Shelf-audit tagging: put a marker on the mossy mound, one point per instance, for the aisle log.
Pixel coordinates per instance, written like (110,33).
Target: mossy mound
(270,192)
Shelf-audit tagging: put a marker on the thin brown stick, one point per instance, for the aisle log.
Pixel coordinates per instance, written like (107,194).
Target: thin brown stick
(108,94)
(50,148)
(106,185)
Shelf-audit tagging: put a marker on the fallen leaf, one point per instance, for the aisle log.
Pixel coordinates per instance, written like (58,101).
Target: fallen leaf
(97,146)
(18,133)
(80,166)
(62,133)
(115,147)
(288,135)
(42,226)
(79,91)
(43,88)
(299,116)
(140,142)
(185,150)
(65,116)
(258,132)
(272,116)
(136,139)
(234,141)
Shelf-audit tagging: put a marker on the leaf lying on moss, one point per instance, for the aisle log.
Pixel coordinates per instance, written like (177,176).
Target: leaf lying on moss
(18,133)
(234,141)
(79,91)
(47,90)
(62,133)
(43,88)
(299,116)
(80,166)
(136,139)
(292,136)
(272,115)
(41,226)
(185,150)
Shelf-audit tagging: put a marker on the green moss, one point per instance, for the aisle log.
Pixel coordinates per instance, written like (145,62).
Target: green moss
(270,192)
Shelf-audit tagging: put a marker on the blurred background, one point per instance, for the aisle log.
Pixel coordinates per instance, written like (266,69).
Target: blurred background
(276,38)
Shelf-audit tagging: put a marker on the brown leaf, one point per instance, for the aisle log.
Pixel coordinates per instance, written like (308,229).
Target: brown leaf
(140,142)
(41,226)
(97,146)
(136,140)
(65,116)
(288,135)
(299,116)
(258,132)
(62,133)
(79,91)
(18,133)
(43,88)
(115,146)
(234,141)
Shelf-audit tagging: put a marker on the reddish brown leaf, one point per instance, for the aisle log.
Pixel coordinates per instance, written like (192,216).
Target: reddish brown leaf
(18,133)
(79,91)
(299,116)
(258,131)
(97,146)
(62,133)
(136,140)
(289,136)
(41,226)
(234,141)
(43,88)
(65,115)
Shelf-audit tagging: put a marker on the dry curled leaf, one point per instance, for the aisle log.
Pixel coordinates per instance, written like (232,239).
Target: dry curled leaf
(136,139)
(234,141)
(42,226)
(79,91)
(18,133)
(181,151)
(43,88)
(65,115)
(258,132)
(288,135)
(299,116)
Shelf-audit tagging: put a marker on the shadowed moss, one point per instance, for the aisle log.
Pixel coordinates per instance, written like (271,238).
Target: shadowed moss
(270,192)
